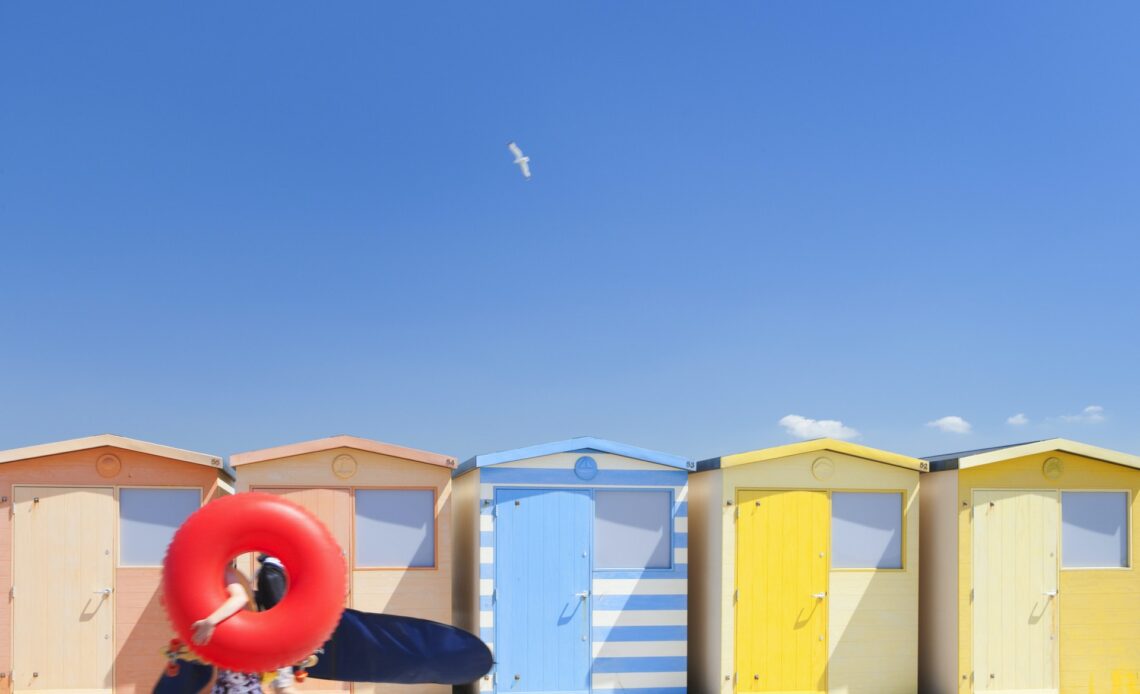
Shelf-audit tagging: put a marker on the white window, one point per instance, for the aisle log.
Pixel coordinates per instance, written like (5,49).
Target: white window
(148,519)
(395,528)
(633,530)
(866,530)
(1094,530)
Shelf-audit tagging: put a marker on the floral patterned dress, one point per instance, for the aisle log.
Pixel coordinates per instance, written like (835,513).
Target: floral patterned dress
(230,682)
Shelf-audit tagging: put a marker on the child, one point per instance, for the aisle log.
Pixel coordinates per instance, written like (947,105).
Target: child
(240,597)
(270,589)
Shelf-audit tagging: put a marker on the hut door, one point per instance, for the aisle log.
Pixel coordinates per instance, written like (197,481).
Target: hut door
(63,592)
(543,541)
(781,580)
(333,507)
(1015,589)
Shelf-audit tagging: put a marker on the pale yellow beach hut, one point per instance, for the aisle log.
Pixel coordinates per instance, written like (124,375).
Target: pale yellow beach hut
(1029,579)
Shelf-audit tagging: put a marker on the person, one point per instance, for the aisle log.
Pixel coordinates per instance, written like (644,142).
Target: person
(271,586)
(239,597)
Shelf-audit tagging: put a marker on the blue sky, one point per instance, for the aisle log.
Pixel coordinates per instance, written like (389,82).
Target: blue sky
(225,226)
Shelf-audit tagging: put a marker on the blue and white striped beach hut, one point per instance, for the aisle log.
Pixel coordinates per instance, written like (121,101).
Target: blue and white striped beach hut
(572,563)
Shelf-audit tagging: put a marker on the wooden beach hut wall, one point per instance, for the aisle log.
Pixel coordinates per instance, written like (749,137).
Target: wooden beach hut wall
(571,562)
(388,506)
(1029,581)
(82,540)
(804,571)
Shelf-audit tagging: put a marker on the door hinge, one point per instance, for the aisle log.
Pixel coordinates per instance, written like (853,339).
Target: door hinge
(736,513)
(736,595)
(494,595)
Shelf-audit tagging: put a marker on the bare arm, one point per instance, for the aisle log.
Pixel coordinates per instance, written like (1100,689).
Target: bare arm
(204,628)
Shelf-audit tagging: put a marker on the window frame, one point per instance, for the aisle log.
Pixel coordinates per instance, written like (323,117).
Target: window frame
(1061,529)
(902,567)
(119,517)
(434,527)
(672,520)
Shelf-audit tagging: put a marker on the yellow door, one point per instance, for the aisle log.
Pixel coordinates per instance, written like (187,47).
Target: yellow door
(63,604)
(1015,591)
(781,577)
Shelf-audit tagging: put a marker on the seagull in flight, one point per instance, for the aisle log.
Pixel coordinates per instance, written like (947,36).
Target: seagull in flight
(523,162)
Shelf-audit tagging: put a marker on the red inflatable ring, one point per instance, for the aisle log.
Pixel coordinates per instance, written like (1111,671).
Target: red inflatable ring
(254,522)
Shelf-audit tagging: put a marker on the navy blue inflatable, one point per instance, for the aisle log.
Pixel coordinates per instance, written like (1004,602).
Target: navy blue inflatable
(192,677)
(368,647)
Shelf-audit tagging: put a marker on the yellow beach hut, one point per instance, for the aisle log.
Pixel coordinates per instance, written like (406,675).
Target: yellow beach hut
(804,571)
(1029,584)
(82,539)
(388,506)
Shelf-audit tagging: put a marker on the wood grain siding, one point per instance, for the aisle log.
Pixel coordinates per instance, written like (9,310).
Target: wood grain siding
(938,591)
(1098,609)
(873,614)
(309,479)
(140,625)
(705,575)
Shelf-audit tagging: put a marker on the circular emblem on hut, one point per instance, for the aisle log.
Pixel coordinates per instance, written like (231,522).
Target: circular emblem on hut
(344,466)
(822,468)
(586,468)
(1053,468)
(108,465)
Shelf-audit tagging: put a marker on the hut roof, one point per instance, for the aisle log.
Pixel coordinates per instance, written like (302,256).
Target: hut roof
(582,444)
(114,441)
(343,441)
(813,446)
(986,456)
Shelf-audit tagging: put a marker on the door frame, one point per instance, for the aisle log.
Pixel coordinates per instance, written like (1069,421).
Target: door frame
(12,622)
(736,578)
(589,491)
(973,580)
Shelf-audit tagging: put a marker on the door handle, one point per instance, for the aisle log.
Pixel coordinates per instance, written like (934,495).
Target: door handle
(819,596)
(583,595)
(1050,593)
(105,592)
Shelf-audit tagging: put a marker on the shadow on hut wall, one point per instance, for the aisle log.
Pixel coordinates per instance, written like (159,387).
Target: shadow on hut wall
(873,612)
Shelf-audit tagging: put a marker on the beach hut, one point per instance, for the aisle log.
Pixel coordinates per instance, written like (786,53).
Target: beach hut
(82,539)
(1028,576)
(388,506)
(571,563)
(804,571)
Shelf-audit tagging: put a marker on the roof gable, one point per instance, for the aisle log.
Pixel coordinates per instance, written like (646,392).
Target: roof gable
(874,455)
(987,456)
(342,441)
(113,441)
(582,444)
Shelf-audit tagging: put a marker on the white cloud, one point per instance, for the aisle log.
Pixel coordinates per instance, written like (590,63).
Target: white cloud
(1091,414)
(952,424)
(806,428)
(1018,419)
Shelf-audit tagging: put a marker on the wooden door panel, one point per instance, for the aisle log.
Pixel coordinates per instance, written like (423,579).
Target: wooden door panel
(64,602)
(782,570)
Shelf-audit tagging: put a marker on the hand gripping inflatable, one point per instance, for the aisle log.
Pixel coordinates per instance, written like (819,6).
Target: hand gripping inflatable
(193,586)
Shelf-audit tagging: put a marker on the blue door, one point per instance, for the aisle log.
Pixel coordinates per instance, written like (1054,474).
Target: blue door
(543,541)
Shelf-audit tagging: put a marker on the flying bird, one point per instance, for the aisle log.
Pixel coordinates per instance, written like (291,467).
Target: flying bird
(523,162)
